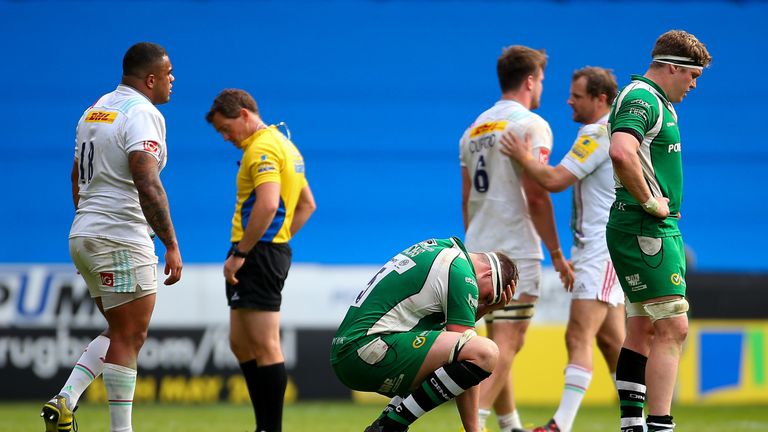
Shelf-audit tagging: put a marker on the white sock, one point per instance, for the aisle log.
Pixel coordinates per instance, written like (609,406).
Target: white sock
(510,421)
(121,383)
(613,377)
(88,367)
(393,403)
(482,416)
(576,384)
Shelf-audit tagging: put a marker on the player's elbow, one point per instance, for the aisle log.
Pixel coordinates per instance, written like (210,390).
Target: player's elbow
(619,155)
(537,200)
(308,207)
(554,184)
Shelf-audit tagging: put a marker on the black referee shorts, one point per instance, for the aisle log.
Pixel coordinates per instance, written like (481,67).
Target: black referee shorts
(261,278)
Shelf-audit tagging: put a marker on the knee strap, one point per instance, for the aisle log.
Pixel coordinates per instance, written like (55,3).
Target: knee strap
(465,337)
(666,308)
(515,312)
(636,310)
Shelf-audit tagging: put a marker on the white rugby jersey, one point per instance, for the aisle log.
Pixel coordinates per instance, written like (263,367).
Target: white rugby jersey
(497,207)
(593,194)
(120,122)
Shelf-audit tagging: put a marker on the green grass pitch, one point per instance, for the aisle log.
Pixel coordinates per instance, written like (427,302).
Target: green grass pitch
(348,417)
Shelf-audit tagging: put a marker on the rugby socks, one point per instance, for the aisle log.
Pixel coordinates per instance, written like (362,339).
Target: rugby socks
(268,400)
(249,373)
(509,422)
(630,383)
(482,416)
(440,386)
(88,367)
(393,403)
(660,423)
(121,384)
(577,381)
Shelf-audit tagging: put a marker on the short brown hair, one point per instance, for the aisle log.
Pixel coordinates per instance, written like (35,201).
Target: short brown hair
(516,63)
(599,81)
(509,272)
(683,44)
(229,103)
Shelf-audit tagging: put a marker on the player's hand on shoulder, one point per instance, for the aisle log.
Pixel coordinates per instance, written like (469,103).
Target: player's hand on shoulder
(515,147)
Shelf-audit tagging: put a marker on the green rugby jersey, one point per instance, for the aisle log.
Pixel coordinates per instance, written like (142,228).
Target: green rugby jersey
(643,110)
(425,287)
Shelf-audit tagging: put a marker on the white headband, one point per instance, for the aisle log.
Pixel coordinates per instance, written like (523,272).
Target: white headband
(495,264)
(678,61)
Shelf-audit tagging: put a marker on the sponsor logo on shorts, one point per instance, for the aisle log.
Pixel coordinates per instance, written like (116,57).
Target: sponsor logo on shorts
(674,148)
(634,282)
(107,279)
(419,342)
(676,279)
(391,384)
(151,146)
(101,117)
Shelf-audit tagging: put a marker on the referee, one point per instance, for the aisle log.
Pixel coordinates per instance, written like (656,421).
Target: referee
(273,202)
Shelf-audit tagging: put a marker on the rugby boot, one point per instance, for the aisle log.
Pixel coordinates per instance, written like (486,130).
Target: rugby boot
(551,426)
(57,415)
(377,426)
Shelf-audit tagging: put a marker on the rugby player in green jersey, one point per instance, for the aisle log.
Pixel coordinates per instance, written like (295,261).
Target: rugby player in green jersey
(642,234)
(409,334)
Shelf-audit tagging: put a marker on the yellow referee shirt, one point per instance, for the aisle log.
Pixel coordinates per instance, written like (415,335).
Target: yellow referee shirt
(268,156)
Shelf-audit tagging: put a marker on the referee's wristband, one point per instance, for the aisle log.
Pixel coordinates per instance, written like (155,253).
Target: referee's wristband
(238,253)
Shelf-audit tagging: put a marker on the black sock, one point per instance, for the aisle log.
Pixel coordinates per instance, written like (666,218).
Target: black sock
(660,423)
(268,402)
(251,380)
(630,382)
(440,386)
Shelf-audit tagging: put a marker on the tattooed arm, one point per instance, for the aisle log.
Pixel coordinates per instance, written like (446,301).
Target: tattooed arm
(75,177)
(154,205)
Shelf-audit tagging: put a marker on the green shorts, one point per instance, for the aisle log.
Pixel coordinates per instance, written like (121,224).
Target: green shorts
(647,267)
(385,364)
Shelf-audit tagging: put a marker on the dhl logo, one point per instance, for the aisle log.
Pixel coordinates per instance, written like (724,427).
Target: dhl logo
(489,127)
(101,117)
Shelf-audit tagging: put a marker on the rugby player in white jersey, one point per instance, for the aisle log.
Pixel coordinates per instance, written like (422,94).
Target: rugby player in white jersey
(505,210)
(120,205)
(597,304)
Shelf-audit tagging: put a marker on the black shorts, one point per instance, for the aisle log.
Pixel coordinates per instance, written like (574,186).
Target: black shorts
(261,278)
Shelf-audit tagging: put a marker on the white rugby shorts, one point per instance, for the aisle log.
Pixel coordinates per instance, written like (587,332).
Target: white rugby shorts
(595,279)
(118,272)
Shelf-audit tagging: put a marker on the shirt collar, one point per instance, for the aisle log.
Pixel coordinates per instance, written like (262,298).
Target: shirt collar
(251,139)
(652,84)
